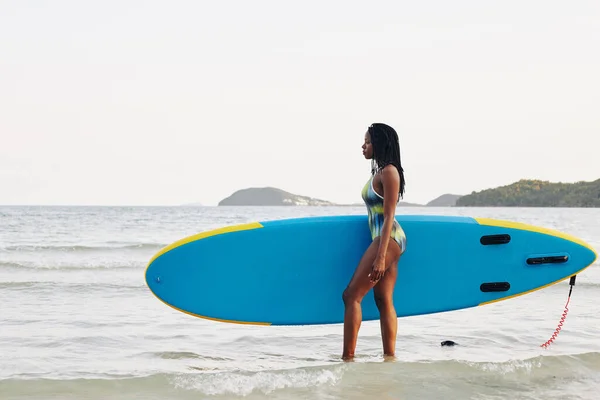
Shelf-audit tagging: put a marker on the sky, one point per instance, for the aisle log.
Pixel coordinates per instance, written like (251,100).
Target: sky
(175,102)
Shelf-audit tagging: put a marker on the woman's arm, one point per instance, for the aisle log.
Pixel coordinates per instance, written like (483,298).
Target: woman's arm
(390,179)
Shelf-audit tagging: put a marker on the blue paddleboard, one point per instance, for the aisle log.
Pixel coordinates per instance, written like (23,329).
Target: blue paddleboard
(293,272)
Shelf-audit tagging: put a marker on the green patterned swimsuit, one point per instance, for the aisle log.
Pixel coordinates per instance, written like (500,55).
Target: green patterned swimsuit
(374,203)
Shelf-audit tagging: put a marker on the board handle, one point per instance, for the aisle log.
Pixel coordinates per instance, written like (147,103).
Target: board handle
(495,287)
(487,240)
(556,259)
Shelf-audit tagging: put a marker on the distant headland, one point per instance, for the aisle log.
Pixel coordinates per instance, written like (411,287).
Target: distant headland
(523,193)
(270,196)
(536,193)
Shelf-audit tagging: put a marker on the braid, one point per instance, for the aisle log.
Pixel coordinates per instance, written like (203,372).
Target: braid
(386,150)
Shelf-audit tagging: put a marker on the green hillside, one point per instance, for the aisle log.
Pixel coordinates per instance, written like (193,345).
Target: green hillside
(536,193)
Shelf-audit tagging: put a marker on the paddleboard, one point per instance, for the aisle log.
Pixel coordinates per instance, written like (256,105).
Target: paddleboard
(293,271)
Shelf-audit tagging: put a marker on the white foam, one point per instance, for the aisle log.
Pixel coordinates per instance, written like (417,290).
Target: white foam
(245,383)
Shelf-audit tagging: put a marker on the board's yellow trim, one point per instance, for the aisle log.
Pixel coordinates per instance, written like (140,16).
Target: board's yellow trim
(203,235)
(532,290)
(198,236)
(532,228)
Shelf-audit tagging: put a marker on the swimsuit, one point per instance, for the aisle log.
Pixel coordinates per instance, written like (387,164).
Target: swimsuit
(374,203)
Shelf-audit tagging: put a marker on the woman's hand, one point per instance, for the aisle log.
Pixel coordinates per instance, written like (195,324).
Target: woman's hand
(377,270)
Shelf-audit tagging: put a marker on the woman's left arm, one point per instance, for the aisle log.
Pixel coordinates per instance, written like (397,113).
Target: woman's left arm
(390,179)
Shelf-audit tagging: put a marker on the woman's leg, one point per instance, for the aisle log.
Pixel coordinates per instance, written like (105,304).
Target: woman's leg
(359,286)
(388,319)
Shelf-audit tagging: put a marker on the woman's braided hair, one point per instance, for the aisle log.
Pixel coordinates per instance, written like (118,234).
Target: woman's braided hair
(386,150)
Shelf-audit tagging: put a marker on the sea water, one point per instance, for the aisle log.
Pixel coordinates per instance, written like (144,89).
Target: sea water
(78,322)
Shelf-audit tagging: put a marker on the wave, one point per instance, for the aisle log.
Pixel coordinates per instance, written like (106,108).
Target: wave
(532,374)
(160,386)
(180,355)
(76,286)
(82,266)
(108,246)
(541,363)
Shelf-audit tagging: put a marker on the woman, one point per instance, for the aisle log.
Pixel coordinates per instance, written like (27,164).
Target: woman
(378,266)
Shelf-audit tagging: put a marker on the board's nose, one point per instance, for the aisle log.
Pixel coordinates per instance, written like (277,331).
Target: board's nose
(586,255)
(593,255)
(581,253)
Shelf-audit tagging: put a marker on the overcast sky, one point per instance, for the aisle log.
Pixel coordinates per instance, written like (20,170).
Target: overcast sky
(172,102)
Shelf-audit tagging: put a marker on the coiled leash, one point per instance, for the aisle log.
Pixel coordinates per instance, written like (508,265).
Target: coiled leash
(564,315)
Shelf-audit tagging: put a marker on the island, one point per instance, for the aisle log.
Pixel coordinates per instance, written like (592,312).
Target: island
(445,200)
(270,196)
(536,193)
(523,193)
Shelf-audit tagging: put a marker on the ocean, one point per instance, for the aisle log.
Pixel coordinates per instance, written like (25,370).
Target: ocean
(78,322)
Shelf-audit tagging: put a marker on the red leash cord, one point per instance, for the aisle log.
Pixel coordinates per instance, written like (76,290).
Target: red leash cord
(564,316)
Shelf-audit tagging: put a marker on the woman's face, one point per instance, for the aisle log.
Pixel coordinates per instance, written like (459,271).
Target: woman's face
(367,147)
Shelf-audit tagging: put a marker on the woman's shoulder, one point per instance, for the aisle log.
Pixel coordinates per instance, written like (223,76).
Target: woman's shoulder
(389,171)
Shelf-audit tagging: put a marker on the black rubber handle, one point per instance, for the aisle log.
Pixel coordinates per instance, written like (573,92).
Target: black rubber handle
(494,239)
(494,287)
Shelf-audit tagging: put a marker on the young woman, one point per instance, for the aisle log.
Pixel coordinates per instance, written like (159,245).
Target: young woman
(377,269)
